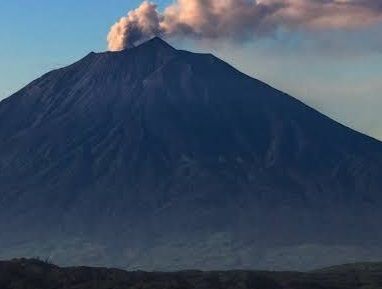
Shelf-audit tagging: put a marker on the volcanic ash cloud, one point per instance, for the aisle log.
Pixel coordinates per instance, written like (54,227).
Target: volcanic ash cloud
(239,19)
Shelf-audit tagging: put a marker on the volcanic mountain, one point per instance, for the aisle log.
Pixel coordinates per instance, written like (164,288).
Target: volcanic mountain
(156,158)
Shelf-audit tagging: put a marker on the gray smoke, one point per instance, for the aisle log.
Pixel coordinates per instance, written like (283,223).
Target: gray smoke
(239,19)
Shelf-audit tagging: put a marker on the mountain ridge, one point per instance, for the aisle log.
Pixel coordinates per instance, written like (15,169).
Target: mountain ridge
(157,42)
(21,273)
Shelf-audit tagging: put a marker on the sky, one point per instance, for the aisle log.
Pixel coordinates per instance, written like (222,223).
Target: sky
(337,71)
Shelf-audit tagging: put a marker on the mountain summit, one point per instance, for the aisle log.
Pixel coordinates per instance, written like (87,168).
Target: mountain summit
(155,158)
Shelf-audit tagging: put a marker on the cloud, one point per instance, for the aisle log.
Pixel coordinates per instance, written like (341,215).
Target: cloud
(240,19)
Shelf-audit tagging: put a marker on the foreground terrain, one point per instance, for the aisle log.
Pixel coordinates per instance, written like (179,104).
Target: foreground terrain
(35,274)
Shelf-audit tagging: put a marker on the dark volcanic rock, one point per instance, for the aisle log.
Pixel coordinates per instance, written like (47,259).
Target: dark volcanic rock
(163,159)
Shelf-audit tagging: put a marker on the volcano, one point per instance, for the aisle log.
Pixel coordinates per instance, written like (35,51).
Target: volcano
(160,159)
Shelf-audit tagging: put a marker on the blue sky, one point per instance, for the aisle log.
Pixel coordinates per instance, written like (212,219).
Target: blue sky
(339,74)
(39,35)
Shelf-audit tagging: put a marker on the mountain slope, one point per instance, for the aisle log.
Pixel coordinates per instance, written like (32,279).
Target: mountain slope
(158,158)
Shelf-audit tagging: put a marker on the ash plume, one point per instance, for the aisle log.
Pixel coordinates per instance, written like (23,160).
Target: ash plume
(239,19)
(139,24)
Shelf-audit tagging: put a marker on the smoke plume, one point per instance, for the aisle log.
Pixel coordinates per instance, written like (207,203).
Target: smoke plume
(239,19)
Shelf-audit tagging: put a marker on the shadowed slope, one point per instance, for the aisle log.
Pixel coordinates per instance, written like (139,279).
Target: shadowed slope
(152,149)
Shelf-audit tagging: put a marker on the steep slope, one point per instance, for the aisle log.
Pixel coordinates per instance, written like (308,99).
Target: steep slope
(158,158)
